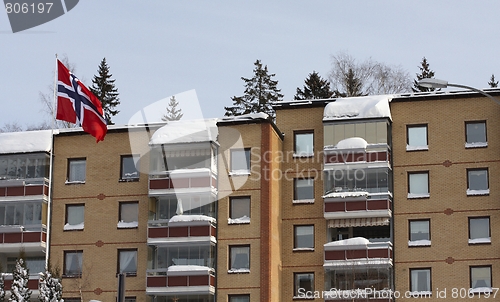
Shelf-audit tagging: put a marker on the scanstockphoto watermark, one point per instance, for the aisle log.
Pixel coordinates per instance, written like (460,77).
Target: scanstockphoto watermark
(26,14)
(370,293)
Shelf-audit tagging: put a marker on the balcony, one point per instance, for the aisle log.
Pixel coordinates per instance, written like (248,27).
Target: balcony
(346,205)
(15,237)
(355,151)
(182,228)
(12,189)
(181,280)
(33,284)
(182,181)
(356,252)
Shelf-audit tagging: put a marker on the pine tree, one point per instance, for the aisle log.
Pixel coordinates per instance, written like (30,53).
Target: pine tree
(104,89)
(425,73)
(315,88)
(260,92)
(19,290)
(50,287)
(492,82)
(2,285)
(353,84)
(173,114)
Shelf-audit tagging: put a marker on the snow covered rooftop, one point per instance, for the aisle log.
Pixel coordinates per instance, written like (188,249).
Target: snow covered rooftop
(27,141)
(245,117)
(374,106)
(186,131)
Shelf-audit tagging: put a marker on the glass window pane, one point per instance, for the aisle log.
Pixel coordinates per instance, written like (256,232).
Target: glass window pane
(75,214)
(240,160)
(128,262)
(476,132)
(303,282)
(240,207)
(304,189)
(77,170)
(480,277)
(239,298)
(240,257)
(304,143)
(420,280)
(419,230)
(304,236)
(129,211)
(417,136)
(73,263)
(419,183)
(479,228)
(129,170)
(478,179)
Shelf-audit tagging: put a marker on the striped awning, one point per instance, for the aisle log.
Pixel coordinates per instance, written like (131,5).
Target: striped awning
(358,222)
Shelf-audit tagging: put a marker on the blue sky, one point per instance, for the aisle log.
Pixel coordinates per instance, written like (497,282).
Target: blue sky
(156,49)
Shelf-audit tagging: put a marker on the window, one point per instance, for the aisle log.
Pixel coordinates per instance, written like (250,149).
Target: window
(303,143)
(21,213)
(480,278)
(303,190)
(129,215)
(127,299)
(240,161)
(475,134)
(479,230)
(33,264)
(416,138)
(76,169)
(73,263)
(128,170)
(303,283)
(239,298)
(303,237)
(127,262)
(239,259)
(420,234)
(74,217)
(239,209)
(420,280)
(477,182)
(418,185)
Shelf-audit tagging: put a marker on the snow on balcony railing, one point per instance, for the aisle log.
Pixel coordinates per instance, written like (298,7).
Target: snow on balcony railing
(358,250)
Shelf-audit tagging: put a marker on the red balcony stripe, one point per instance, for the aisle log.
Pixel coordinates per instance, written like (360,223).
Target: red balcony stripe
(13,237)
(32,284)
(200,182)
(199,280)
(177,281)
(15,191)
(356,254)
(334,255)
(31,236)
(3,191)
(199,230)
(180,183)
(378,204)
(178,232)
(355,205)
(156,281)
(334,206)
(158,232)
(34,190)
(378,253)
(156,184)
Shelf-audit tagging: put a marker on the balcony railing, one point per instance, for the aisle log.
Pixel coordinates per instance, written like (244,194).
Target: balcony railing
(18,236)
(23,187)
(181,228)
(32,282)
(357,251)
(181,279)
(179,180)
(372,153)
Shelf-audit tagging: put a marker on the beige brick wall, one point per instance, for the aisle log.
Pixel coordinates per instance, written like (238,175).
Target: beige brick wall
(101,194)
(448,207)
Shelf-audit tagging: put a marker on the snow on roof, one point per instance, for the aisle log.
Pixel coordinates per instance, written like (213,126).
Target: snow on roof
(27,141)
(190,218)
(373,106)
(352,143)
(245,117)
(186,131)
(191,268)
(350,241)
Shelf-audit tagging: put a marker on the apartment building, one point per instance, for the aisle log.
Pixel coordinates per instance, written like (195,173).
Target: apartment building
(376,198)
(24,201)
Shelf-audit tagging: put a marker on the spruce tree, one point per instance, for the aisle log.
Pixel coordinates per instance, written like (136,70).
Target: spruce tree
(260,92)
(353,84)
(173,114)
(19,290)
(104,89)
(315,88)
(425,73)
(50,287)
(492,82)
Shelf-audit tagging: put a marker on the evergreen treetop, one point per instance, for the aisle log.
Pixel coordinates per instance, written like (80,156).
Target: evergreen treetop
(315,88)
(492,82)
(260,93)
(425,73)
(173,114)
(20,291)
(103,87)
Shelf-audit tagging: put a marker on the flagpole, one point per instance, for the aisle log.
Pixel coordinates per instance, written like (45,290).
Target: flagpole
(51,164)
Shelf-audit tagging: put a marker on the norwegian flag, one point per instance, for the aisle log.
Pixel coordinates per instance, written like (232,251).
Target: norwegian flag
(78,105)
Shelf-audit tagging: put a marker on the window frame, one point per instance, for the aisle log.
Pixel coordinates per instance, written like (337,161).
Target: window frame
(231,296)
(302,132)
(77,252)
(68,172)
(478,241)
(470,278)
(240,171)
(418,195)
(70,228)
(478,192)
(129,179)
(417,147)
(234,220)
(476,144)
(128,274)
(411,270)
(295,190)
(419,243)
(240,270)
(295,241)
(296,288)
(120,218)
